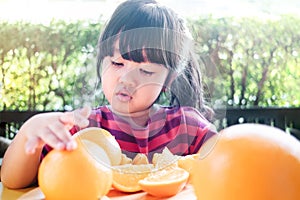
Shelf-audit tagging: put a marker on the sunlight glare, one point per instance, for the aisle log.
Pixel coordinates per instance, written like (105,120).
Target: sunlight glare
(46,10)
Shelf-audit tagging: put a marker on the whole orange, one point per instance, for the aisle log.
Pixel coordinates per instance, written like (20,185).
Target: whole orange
(73,175)
(249,161)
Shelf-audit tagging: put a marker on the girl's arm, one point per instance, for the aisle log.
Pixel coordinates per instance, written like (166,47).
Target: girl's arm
(22,159)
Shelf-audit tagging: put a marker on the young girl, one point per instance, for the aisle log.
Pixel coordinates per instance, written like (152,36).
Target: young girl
(145,57)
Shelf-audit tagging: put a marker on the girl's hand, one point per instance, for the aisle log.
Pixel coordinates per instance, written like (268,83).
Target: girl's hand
(53,129)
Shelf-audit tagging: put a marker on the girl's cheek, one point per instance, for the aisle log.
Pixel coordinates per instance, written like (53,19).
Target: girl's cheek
(107,90)
(105,81)
(105,65)
(104,70)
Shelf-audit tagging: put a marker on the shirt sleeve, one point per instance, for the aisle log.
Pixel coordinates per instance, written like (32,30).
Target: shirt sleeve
(200,130)
(203,135)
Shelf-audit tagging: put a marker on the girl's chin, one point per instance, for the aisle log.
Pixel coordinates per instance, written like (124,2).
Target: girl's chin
(122,110)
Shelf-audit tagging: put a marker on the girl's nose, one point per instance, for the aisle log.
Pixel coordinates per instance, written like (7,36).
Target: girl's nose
(129,77)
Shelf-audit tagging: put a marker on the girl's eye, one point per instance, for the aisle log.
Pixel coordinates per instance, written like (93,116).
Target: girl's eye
(146,72)
(117,64)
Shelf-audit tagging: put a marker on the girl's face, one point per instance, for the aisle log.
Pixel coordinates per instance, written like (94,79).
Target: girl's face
(131,87)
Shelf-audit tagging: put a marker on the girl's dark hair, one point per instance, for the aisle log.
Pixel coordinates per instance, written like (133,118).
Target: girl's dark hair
(148,31)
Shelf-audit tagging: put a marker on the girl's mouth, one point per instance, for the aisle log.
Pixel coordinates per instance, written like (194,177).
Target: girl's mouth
(123,96)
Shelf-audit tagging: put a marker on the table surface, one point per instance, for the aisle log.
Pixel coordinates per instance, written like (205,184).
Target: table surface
(35,193)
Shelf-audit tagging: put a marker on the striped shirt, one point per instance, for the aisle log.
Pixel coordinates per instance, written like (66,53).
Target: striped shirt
(181,129)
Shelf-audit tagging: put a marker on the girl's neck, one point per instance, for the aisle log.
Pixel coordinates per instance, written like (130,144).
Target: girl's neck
(138,119)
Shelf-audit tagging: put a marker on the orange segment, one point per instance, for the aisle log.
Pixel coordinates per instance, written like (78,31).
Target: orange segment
(139,159)
(126,177)
(164,159)
(166,182)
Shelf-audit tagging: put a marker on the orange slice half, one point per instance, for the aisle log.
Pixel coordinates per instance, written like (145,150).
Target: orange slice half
(165,183)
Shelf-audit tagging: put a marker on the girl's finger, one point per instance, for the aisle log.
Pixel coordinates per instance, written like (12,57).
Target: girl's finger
(86,111)
(78,117)
(81,116)
(60,131)
(67,119)
(32,144)
(52,140)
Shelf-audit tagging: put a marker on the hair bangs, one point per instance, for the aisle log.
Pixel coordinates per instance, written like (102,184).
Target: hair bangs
(142,45)
(147,34)
(150,44)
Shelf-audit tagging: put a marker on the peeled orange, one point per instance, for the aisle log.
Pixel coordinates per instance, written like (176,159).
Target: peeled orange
(249,161)
(72,175)
(105,140)
(97,152)
(166,182)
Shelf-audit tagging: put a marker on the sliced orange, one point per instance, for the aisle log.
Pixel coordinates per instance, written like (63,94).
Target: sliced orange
(165,183)
(126,177)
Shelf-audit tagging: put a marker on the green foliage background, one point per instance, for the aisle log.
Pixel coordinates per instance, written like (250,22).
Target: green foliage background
(248,62)
(41,64)
(254,62)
